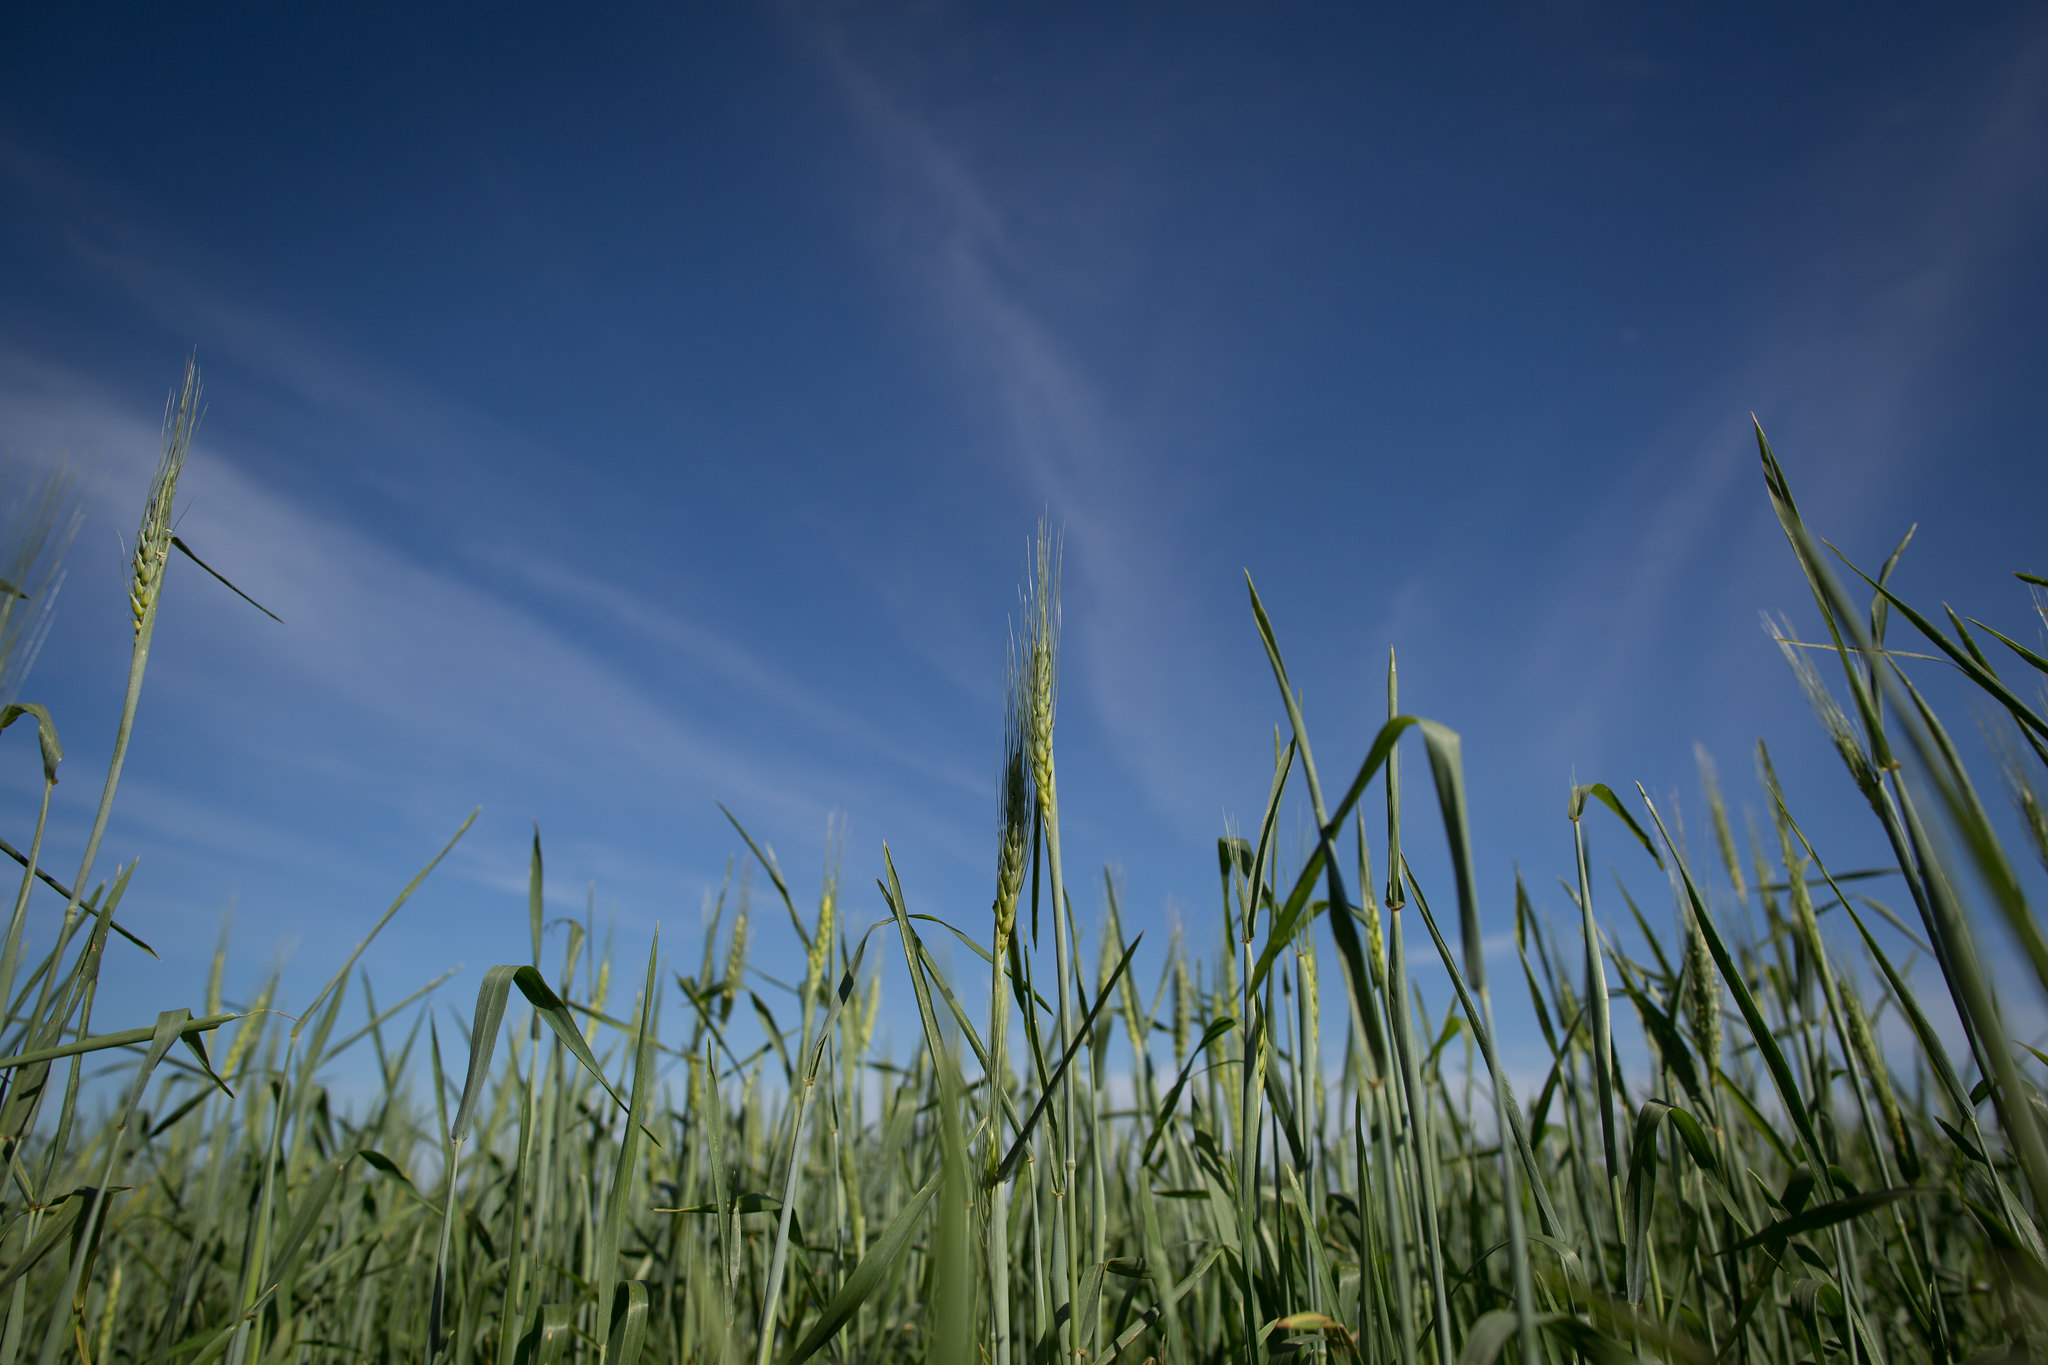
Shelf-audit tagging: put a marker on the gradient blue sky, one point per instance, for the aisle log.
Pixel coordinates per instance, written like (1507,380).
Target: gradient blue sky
(632,412)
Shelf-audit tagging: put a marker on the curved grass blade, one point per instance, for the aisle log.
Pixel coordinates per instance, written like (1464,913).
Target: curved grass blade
(1604,794)
(492,997)
(766,856)
(1288,918)
(101,1042)
(483,1041)
(1825,1216)
(547,1341)
(628,1336)
(881,1258)
(55,1231)
(1642,1196)
(46,733)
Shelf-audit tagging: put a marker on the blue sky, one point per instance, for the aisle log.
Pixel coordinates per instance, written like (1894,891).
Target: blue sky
(634,412)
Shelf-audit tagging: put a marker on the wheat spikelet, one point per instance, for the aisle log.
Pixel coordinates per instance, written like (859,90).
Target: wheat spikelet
(245,1037)
(109,1314)
(153,537)
(865,1017)
(1881,1080)
(1702,994)
(1041,660)
(1014,833)
(1375,932)
(1724,835)
(828,904)
(600,992)
(2014,775)
(821,941)
(736,949)
(1183,1009)
(1567,998)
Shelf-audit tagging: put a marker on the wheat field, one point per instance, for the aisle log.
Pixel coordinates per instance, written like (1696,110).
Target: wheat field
(1757,1139)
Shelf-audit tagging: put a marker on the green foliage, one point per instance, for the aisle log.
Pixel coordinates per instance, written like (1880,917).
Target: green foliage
(1812,1175)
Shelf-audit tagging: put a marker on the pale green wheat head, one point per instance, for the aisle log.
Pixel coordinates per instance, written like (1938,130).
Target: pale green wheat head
(1702,993)
(1014,833)
(1042,655)
(153,537)
(736,949)
(1183,1008)
(863,1019)
(1375,936)
(828,907)
(1311,994)
(1880,1074)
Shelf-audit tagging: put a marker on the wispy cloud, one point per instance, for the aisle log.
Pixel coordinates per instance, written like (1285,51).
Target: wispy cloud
(425,667)
(1142,659)
(1838,370)
(705,652)
(421,664)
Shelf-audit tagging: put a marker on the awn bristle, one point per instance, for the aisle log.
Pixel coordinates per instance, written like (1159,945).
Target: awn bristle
(2018,780)
(1724,836)
(43,512)
(1826,707)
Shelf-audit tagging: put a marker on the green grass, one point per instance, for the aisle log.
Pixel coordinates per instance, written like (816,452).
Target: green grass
(1278,1149)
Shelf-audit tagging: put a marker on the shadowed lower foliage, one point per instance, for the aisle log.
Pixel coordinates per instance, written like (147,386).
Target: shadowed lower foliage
(1751,1143)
